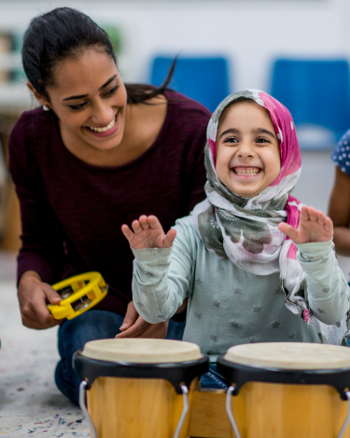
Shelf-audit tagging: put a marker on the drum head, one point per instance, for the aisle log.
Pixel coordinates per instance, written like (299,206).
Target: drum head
(142,350)
(176,361)
(287,362)
(290,355)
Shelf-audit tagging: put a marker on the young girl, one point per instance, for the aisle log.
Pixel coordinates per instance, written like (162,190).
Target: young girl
(244,279)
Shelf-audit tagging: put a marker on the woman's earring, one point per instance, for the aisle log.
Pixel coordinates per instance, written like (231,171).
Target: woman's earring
(46,108)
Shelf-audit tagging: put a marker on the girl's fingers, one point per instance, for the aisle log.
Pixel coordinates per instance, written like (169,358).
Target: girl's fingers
(288,230)
(169,238)
(127,232)
(153,221)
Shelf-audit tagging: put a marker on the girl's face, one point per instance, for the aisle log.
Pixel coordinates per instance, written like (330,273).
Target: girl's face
(248,153)
(89,99)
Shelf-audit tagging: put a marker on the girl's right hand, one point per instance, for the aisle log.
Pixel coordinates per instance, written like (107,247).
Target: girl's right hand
(34,295)
(147,232)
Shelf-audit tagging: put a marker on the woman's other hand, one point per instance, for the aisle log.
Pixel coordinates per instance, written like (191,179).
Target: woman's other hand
(136,327)
(33,296)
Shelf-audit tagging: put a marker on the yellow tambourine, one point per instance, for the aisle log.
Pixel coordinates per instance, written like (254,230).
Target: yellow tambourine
(79,294)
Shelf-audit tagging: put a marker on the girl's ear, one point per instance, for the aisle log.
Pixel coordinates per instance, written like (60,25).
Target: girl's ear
(38,97)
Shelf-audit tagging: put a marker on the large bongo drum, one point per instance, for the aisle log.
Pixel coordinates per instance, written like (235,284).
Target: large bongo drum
(138,387)
(287,390)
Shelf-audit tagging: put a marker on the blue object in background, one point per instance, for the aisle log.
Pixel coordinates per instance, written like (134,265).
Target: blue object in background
(204,79)
(317,93)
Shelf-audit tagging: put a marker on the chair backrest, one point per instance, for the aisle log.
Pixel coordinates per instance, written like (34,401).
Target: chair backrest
(316,92)
(204,79)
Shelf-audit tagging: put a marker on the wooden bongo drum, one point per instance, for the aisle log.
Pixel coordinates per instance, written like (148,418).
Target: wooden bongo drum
(138,387)
(287,390)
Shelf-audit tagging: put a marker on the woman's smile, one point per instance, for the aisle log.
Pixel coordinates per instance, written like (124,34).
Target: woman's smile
(105,131)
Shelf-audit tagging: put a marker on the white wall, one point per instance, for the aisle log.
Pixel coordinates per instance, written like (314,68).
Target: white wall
(249,32)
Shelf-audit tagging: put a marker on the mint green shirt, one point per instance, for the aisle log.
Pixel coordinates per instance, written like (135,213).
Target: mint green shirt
(229,306)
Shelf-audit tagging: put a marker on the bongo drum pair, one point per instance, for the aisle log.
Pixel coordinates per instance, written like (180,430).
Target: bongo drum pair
(138,388)
(146,388)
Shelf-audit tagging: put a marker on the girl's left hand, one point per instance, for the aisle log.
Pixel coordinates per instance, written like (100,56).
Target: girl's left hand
(314,226)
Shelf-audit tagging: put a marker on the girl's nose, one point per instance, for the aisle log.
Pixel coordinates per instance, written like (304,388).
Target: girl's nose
(102,114)
(245,150)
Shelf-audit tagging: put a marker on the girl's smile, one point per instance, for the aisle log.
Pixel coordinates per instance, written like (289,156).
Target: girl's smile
(248,153)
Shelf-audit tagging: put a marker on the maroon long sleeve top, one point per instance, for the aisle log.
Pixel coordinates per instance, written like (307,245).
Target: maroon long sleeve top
(72,212)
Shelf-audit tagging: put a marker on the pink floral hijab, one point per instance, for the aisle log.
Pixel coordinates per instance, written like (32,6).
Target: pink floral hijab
(245,230)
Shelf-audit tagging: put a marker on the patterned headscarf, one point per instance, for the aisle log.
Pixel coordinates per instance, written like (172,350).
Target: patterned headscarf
(245,230)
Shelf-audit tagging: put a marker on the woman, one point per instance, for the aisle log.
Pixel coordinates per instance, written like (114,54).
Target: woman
(97,153)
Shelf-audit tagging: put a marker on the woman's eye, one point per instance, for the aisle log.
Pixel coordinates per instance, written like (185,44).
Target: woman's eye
(77,107)
(112,91)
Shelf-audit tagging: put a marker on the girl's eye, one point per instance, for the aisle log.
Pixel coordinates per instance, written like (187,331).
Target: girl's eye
(112,91)
(77,107)
(262,140)
(231,140)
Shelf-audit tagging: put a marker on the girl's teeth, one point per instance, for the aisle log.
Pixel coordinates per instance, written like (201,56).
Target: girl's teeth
(246,172)
(106,128)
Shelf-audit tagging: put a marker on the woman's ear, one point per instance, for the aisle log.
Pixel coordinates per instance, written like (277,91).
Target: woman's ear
(38,97)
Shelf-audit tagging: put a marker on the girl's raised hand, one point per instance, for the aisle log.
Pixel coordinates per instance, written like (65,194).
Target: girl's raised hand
(147,232)
(314,226)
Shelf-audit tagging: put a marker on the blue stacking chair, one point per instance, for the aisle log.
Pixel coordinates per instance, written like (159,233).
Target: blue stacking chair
(317,93)
(204,79)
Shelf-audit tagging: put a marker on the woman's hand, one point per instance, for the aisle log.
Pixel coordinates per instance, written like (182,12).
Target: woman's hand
(314,226)
(136,327)
(33,296)
(148,233)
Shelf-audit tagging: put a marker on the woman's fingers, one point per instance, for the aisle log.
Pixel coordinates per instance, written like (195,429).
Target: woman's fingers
(130,317)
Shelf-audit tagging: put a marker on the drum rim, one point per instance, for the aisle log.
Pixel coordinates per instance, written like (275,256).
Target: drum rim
(176,373)
(240,374)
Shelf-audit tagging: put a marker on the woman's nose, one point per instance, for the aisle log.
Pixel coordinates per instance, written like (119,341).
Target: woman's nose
(102,113)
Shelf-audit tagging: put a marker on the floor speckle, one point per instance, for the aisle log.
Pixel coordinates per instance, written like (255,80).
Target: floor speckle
(30,403)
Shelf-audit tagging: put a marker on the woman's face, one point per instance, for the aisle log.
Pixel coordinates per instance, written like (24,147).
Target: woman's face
(248,154)
(89,99)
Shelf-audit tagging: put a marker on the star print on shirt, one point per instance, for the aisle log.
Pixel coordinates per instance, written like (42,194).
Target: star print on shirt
(140,304)
(213,337)
(216,303)
(235,324)
(257,309)
(278,291)
(199,282)
(321,311)
(275,324)
(292,336)
(238,291)
(326,290)
(197,314)
(324,260)
(221,269)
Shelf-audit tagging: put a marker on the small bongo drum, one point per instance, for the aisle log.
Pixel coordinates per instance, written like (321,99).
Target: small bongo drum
(138,387)
(287,390)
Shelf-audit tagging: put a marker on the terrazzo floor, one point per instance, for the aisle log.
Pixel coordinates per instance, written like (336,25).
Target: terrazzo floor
(30,403)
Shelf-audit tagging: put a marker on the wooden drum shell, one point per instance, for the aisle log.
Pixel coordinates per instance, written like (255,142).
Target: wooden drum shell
(274,410)
(143,408)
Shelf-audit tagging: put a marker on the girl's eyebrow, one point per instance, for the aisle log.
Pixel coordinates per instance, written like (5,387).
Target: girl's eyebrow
(85,95)
(264,131)
(229,131)
(254,131)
